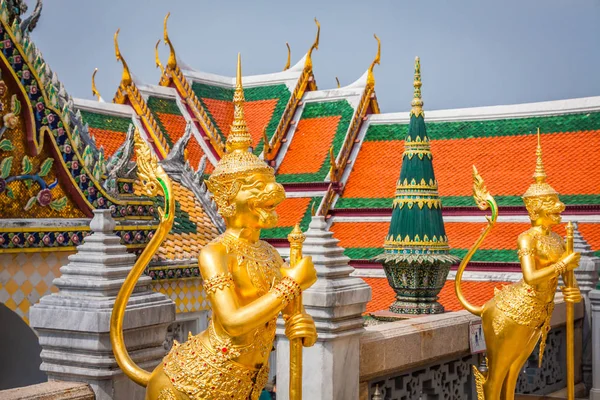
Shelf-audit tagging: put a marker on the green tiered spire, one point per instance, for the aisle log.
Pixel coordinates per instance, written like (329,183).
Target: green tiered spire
(416,254)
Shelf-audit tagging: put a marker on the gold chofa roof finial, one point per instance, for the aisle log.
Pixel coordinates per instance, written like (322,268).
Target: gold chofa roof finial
(157,58)
(539,187)
(315,46)
(417,102)
(172,62)
(126,77)
(239,137)
(95,91)
(289,59)
(371,77)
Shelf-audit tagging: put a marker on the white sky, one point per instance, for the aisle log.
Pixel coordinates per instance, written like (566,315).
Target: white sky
(473,53)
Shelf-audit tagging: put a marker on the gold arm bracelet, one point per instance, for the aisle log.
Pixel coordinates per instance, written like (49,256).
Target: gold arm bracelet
(287,290)
(525,252)
(218,282)
(560,268)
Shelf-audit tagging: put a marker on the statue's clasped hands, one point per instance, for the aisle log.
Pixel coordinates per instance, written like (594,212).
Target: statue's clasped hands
(571,294)
(301,325)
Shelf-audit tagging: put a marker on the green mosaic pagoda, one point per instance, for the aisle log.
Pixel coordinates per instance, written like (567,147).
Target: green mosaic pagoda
(416,257)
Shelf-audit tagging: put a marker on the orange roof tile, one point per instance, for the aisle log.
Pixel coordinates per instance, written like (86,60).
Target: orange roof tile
(309,147)
(175,126)
(110,140)
(258,114)
(222,113)
(377,166)
(360,234)
(476,292)
(507,163)
(291,210)
(461,235)
(183,246)
(376,170)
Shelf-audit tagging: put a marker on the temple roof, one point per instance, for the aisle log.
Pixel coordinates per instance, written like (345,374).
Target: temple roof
(363,240)
(330,148)
(497,140)
(476,292)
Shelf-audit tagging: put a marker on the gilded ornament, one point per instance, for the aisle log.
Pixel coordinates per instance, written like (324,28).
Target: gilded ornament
(247,283)
(518,316)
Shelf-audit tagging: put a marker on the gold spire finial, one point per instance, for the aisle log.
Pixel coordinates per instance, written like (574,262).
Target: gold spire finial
(126,77)
(157,58)
(239,138)
(94,89)
(540,173)
(315,45)
(539,187)
(338,82)
(417,102)
(371,77)
(172,62)
(289,58)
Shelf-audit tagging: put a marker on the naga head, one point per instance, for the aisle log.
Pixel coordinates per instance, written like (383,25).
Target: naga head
(244,186)
(541,200)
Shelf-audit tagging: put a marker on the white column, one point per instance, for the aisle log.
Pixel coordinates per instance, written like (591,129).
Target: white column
(73,324)
(586,275)
(595,305)
(336,302)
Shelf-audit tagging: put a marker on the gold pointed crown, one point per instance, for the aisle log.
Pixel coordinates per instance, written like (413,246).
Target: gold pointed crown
(539,187)
(238,158)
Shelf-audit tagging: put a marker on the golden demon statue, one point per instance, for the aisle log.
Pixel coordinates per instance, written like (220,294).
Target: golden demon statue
(518,316)
(245,279)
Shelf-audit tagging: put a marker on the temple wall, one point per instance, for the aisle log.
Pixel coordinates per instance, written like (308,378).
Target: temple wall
(406,356)
(26,277)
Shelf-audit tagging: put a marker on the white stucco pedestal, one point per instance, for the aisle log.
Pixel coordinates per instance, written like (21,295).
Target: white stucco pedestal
(595,305)
(336,302)
(73,325)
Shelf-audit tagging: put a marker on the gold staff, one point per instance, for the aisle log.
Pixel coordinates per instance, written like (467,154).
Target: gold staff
(569,278)
(296,238)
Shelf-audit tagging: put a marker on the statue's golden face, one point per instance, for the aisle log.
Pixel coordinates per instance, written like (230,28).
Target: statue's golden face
(545,210)
(256,200)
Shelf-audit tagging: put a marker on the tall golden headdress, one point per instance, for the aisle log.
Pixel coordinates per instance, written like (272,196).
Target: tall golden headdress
(539,188)
(238,159)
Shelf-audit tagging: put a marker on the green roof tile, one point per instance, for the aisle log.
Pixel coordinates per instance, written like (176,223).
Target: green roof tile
(321,110)
(105,122)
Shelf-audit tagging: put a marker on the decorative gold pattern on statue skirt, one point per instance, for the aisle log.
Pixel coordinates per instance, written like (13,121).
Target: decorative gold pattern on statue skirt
(203,373)
(523,304)
(262,341)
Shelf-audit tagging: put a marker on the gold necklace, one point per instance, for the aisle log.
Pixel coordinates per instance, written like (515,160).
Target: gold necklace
(260,259)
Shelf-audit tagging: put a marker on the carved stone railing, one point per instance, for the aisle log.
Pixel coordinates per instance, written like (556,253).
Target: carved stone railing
(445,380)
(429,358)
(552,375)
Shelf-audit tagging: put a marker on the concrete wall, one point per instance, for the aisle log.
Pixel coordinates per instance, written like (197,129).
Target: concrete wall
(27,277)
(24,279)
(20,352)
(397,347)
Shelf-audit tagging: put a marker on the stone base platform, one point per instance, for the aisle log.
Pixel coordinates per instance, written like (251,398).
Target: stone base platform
(53,390)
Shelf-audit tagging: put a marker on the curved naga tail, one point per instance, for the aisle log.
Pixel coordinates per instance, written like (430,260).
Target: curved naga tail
(154,180)
(484,201)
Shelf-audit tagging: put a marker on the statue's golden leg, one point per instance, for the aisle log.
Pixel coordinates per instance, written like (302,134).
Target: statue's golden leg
(160,387)
(508,391)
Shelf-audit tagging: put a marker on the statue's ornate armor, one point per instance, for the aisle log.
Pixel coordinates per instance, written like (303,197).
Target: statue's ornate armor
(518,317)
(205,366)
